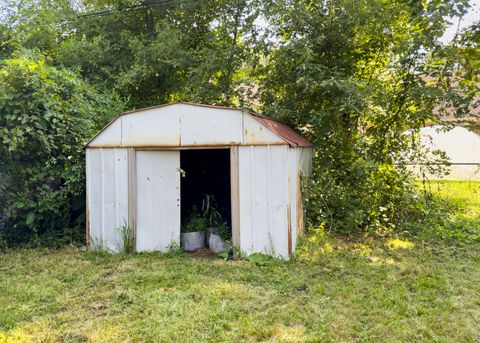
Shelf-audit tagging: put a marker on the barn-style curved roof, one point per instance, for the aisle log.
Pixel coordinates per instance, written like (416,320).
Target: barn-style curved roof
(185,124)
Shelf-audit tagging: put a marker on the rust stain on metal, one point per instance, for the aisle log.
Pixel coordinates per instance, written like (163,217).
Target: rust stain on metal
(175,147)
(299,208)
(289,135)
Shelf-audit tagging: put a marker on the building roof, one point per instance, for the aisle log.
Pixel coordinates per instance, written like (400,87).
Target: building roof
(284,132)
(292,137)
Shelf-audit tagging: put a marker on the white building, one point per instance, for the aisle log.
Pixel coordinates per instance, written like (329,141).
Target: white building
(462,147)
(147,167)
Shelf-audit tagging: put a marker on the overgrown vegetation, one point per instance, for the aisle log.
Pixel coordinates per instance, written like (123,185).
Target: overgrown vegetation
(46,115)
(353,76)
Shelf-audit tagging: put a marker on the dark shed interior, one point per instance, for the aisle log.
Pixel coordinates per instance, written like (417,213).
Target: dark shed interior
(206,171)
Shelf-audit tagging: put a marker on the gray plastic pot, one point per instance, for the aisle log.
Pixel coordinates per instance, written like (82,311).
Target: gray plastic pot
(217,244)
(192,241)
(208,232)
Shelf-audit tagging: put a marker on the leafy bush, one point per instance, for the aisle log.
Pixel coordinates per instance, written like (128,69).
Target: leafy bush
(366,197)
(47,114)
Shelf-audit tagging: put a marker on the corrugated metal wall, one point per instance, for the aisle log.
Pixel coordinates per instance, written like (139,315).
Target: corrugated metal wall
(270,211)
(263,199)
(107,195)
(270,199)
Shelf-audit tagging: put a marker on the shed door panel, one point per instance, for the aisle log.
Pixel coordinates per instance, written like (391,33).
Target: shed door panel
(158,200)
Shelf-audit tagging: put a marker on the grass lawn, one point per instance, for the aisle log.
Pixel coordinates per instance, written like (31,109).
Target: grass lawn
(333,290)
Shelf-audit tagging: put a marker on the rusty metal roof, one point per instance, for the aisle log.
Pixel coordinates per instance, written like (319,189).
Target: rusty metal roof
(289,135)
(286,133)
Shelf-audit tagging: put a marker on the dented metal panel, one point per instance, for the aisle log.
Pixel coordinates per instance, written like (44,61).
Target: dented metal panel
(210,126)
(107,196)
(263,199)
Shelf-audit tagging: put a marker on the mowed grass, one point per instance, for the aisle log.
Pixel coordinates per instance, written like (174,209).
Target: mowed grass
(464,195)
(335,289)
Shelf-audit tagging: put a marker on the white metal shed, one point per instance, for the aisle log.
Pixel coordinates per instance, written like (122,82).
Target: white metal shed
(256,165)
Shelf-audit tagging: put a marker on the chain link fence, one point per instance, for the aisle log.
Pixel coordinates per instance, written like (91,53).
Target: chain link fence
(447,172)
(456,181)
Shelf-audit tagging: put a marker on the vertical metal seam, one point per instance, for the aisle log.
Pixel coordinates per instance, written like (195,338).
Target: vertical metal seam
(243,127)
(286,166)
(115,190)
(269,206)
(252,197)
(131,194)
(121,131)
(180,125)
(102,188)
(88,181)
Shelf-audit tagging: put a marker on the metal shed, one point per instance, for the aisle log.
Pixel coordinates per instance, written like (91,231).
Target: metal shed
(145,165)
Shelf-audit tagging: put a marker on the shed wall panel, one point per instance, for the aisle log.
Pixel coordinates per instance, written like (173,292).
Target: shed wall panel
(152,127)
(255,133)
(263,194)
(293,174)
(305,156)
(210,126)
(158,200)
(107,195)
(112,137)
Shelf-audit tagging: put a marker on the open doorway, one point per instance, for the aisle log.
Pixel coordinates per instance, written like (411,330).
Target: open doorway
(206,172)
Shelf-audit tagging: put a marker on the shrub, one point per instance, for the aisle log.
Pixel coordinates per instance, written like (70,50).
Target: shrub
(47,114)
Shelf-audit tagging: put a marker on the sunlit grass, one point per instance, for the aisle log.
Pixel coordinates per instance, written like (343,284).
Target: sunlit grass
(334,289)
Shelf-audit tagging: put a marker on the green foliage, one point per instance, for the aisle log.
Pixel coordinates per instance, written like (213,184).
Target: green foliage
(224,255)
(432,285)
(98,245)
(195,222)
(224,231)
(259,258)
(354,76)
(213,218)
(126,238)
(150,53)
(452,212)
(210,213)
(46,116)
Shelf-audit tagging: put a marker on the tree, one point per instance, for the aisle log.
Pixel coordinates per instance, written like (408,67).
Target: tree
(354,76)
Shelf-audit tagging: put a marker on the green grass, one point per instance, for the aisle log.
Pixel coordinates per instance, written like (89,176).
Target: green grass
(335,289)
(455,213)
